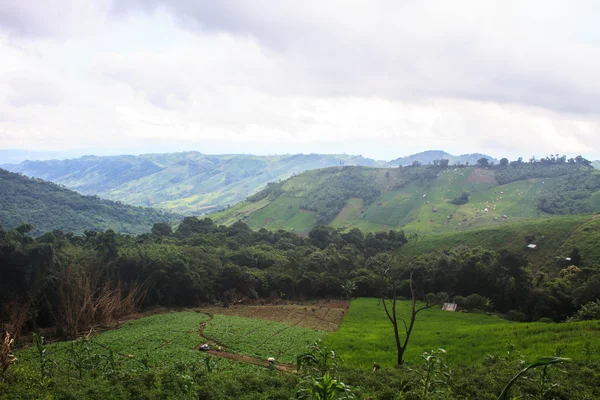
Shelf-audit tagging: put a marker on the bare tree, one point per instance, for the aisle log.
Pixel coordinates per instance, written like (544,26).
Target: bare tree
(389,299)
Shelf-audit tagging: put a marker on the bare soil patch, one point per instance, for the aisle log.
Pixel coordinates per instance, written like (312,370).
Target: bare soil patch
(480,175)
(320,315)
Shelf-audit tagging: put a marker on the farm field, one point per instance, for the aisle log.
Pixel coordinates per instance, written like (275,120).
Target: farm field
(366,336)
(156,356)
(259,338)
(318,315)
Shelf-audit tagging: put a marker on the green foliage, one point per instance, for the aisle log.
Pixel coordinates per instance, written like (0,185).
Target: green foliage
(328,199)
(571,194)
(542,362)
(589,311)
(261,339)
(49,206)
(461,200)
(319,369)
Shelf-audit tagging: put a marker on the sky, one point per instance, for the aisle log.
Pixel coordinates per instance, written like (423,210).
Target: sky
(379,78)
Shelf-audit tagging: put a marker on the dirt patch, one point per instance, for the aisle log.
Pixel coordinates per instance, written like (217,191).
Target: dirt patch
(318,315)
(482,176)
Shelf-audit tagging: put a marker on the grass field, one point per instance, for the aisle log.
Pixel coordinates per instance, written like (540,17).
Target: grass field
(366,336)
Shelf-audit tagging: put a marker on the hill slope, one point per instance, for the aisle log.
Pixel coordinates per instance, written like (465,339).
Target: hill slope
(48,206)
(430,156)
(419,199)
(191,182)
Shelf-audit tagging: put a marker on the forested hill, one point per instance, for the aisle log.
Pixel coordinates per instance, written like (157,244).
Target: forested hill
(190,182)
(432,198)
(47,207)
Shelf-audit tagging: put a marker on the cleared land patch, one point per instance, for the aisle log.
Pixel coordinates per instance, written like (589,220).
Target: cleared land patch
(322,316)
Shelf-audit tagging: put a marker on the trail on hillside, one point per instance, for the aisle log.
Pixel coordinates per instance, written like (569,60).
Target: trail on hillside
(288,368)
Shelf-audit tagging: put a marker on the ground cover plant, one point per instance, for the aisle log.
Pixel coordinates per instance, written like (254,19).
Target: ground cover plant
(366,336)
(155,358)
(260,338)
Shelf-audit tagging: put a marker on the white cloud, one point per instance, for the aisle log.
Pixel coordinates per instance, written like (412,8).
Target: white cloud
(379,78)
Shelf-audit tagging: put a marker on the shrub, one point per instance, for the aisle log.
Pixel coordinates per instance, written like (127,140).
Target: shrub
(588,311)
(460,200)
(517,316)
(475,302)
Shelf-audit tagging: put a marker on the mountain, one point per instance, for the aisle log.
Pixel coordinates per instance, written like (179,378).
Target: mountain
(13,156)
(428,157)
(596,164)
(190,182)
(47,206)
(423,199)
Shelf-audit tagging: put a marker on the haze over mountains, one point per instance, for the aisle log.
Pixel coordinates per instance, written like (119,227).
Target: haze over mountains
(195,183)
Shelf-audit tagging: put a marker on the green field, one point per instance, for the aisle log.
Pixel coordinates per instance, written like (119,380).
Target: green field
(155,357)
(260,338)
(366,336)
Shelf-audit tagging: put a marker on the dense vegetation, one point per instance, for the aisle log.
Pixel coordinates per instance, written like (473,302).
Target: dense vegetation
(61,280)
(49,206)
(330,197)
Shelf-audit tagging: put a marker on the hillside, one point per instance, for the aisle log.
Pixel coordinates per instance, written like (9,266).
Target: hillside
(191,182)
(430,156)
(424,199)
(48,206)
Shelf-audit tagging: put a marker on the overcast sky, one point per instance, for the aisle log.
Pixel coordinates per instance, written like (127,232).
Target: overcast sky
(377,78)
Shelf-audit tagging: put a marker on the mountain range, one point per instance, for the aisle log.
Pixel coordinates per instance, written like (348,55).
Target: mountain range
(192,182)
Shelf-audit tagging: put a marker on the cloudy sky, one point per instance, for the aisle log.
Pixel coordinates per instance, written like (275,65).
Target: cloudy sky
(378,78)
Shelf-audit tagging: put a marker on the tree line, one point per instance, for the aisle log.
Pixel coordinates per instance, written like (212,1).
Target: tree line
(72,281)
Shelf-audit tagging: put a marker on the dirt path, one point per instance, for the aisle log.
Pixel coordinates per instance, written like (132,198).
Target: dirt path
(289,368)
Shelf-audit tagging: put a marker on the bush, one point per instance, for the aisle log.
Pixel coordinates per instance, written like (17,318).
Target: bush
(517,316)
(474,302)
(588,311)
(460,200)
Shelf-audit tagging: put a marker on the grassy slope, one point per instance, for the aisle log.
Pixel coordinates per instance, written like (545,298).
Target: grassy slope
(555,237)
(366,335)
(48,206)
(421,207)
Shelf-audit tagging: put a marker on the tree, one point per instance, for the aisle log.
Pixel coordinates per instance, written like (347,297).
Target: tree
(483,162)
(389,299)
(162,229)
(504,162)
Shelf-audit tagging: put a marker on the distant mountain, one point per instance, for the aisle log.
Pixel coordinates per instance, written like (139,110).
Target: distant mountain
(189,182)
(14,156)
(596,164)
(47,207)
(427,157)
(423,199)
